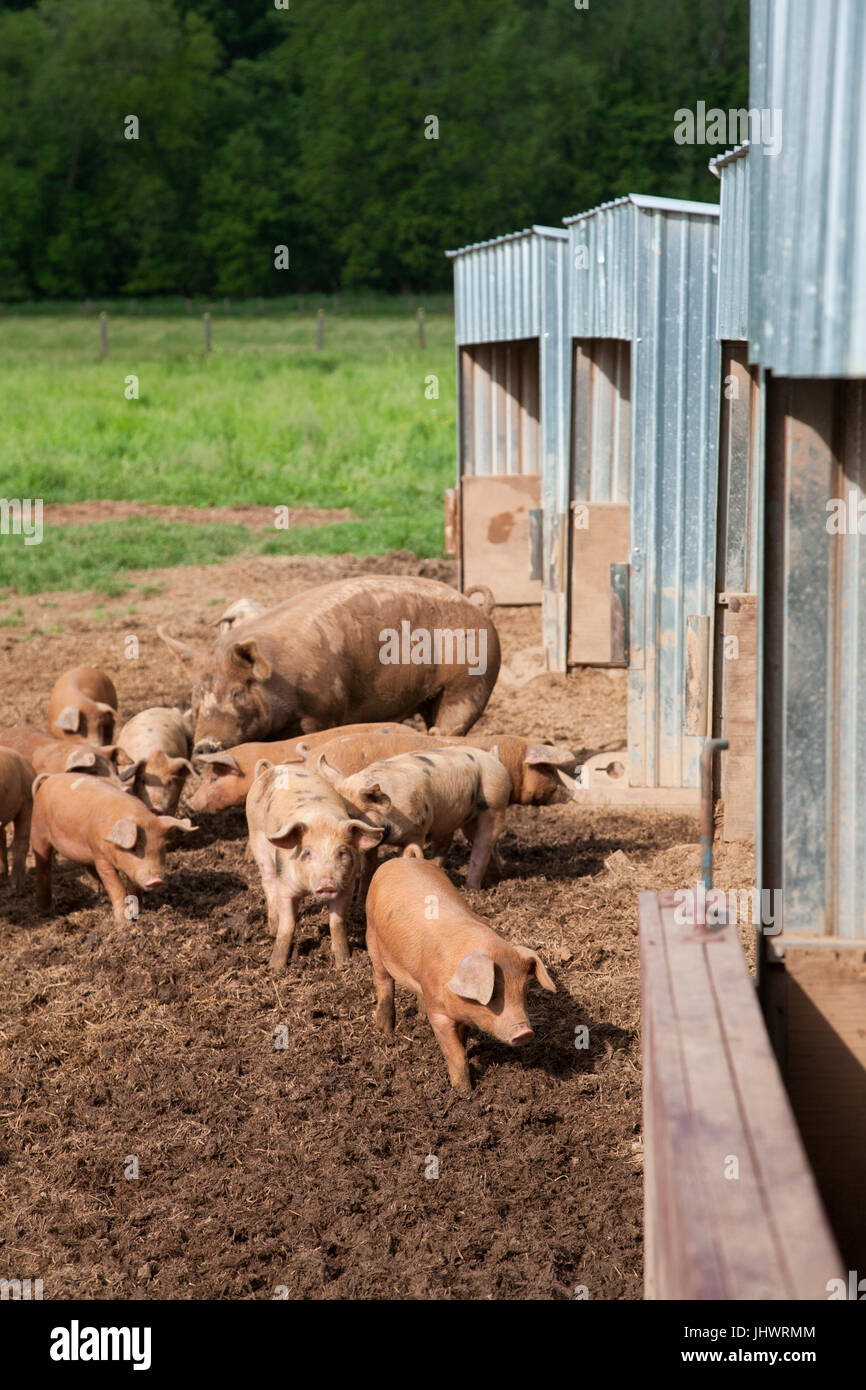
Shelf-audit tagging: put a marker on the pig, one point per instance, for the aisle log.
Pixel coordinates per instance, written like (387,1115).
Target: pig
(156,741)
(368,648)
(16,806)
(26,740)
(83,705)
(464,973)
(304,842)
(64,755)
(428,796)
(93,822)
(540,773)
(351,753)
(228,776)
(238,611)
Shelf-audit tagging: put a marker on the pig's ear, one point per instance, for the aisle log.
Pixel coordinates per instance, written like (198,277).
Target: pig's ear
(263,765)
(105,709)
(495,753)
(124,833)
(474,978)
(365,836)
(324,769)
(538,969)
(129,773)
(302,749)
(176,765)
(223,762)
(247,656)
(374,796)
(182,650)
(68,719)
(545,755)
(79,760)
(36,784)
(172,823)
(289,835)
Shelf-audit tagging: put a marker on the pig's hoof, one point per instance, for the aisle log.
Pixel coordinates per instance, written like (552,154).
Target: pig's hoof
(277,964)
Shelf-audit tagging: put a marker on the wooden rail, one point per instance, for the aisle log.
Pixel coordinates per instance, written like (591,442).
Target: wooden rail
(731,1207)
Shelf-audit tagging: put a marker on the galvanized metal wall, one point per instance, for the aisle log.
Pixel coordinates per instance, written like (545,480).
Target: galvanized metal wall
(814,707)
(741,457)
(500,408)
(732,314)
(506,292)
(807,229)
(645,269)
(601,420)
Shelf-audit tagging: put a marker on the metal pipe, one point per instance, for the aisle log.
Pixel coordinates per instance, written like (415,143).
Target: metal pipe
(710,748)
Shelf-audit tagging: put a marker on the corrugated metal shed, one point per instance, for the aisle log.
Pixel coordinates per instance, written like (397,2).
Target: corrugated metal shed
(807,231)
(510,310)
(644,270)
(500,286)
(732,318)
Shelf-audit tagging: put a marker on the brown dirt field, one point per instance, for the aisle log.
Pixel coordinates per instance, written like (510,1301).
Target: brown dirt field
(305,1166)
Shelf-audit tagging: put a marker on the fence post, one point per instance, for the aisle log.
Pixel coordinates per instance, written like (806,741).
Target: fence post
(320,329)
(422,342)
(103,335)
(207,333)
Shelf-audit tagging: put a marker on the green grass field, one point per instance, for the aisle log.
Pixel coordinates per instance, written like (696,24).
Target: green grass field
(266,419)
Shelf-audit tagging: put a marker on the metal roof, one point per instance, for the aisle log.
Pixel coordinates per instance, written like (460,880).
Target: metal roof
(537,229)
(640,200)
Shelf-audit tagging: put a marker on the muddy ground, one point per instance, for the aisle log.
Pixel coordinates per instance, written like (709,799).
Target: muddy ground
(309,1167)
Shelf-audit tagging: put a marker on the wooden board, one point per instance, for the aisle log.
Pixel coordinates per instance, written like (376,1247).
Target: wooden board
(599,538)
(824,1006)
(740,674)
(714,1105)
(494,516)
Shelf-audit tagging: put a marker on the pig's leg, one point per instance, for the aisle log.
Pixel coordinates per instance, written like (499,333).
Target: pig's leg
(43,857)
(4,863)
(384,983)
(262,851)
(20,841)
(495,868)
(440,848)
(337,925)
(369,860)
(113,885)
(488,828)
(448,1036)
(285,931)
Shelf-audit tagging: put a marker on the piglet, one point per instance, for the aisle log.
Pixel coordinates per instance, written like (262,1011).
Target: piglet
(16,805)
(351,753)
(156,743)
(228,775)
(66,755)
(94,822)
(238,612)
(83,704)
(421,933)
(304,842)
(429,795)
(540,773)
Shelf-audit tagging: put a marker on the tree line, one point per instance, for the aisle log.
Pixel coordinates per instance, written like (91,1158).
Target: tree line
(364,136)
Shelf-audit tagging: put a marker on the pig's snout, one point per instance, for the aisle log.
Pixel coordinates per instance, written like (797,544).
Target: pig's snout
(151,884)
(326,889)
(207,745)
(522,1034)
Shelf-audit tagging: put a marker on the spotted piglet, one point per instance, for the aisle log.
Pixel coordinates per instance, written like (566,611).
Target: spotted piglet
(305,843)
(419,797)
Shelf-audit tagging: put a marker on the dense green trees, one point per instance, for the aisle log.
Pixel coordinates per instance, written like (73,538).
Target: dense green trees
(307,127)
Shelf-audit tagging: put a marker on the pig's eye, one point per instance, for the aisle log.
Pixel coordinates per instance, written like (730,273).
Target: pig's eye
(345,852)
(307,854)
